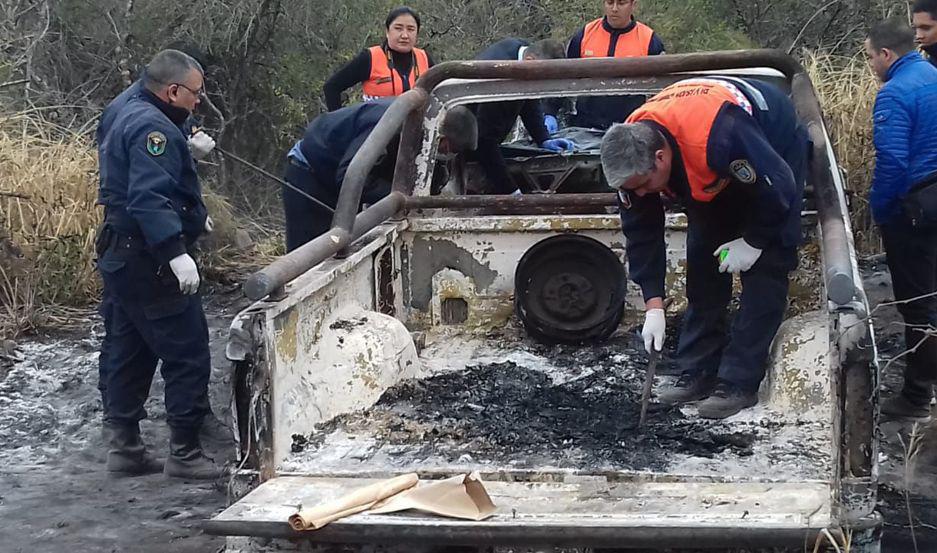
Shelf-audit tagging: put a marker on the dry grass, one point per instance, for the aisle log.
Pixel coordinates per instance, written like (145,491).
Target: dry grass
(48,219)
(48,186)
(846,88)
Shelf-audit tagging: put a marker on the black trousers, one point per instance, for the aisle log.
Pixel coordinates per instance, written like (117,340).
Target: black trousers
(306,219)
(912,261)
(736,354)
(147,320)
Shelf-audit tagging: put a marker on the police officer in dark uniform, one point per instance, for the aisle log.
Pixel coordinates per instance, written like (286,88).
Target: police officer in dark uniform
(153,213)
(200,144)
(732,151)
(318,162)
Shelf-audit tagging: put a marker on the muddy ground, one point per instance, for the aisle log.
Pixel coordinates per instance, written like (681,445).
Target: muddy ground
(54,493)
(55,496)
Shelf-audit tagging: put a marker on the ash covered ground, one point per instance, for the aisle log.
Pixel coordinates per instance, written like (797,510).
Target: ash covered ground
(522,405)
(55,495)
(54,492)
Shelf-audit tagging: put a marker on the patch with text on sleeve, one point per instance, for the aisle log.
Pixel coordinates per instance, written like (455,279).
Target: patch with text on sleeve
(742,171)
(156,143)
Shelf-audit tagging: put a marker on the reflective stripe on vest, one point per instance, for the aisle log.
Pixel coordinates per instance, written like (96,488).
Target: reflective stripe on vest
(688,109)
(384,81)
(596,41)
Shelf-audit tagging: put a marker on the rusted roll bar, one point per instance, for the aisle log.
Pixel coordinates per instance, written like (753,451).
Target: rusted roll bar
(408,112)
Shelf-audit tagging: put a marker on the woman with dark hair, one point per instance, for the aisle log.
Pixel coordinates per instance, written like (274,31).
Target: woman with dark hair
(388,69)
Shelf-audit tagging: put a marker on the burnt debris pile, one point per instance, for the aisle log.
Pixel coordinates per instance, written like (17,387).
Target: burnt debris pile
(582,412)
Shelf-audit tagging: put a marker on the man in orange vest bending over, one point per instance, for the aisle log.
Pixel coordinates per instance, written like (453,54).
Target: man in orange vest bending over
(616,35)
(733,152)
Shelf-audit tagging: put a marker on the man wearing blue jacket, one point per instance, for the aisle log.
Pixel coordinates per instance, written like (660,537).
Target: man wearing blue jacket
(153,214)
(904,127)
(318,162)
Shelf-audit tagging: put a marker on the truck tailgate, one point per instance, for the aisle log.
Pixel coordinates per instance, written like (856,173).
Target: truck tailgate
(581,511)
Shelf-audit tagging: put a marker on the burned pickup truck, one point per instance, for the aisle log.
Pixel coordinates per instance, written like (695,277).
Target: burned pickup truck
(401,342)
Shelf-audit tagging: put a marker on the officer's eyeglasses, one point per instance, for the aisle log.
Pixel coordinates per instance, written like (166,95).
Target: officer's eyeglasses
(198,93)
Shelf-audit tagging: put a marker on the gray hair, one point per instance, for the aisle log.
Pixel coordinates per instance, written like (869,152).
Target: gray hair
(168,67)
(461,128)
(629,149)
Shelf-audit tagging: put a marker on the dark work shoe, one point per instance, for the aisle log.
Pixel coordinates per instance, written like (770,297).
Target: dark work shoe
(689,387)
(186,458)
(900,408)
(213,431)
(127,455)
(726,400)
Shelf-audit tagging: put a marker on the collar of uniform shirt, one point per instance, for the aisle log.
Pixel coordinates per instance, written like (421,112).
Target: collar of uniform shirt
(520,53)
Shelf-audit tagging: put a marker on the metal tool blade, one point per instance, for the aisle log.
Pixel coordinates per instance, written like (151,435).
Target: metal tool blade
(653,357)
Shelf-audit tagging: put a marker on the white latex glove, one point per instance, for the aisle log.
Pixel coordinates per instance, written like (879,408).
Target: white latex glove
(740,258)
(655,326)
(209,224)
(183,266)
(200,144)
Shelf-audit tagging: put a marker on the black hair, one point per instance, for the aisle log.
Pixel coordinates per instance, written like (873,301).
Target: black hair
(547,49)
(929,6)
(397,12)
(892,34)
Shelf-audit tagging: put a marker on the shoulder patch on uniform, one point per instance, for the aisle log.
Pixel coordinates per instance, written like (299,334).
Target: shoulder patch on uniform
(156,143)
(742,171)
(625,199)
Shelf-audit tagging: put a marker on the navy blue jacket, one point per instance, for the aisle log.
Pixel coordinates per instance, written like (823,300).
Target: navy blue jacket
(332,139)
(603,111)
(113,108)
(495,120)
(776,148)
(904,122)
(149,184)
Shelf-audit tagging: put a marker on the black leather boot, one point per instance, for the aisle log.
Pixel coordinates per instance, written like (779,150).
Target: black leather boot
(186,458)
(127,455)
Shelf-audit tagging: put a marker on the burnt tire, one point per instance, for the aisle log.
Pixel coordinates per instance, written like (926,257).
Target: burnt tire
(569,288)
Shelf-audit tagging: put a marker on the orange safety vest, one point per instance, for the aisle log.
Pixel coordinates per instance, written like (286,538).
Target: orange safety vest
(688,109)
(596,41)
(385,81)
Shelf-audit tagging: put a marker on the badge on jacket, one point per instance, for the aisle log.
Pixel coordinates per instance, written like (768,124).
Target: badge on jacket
(743,171)
(156,143)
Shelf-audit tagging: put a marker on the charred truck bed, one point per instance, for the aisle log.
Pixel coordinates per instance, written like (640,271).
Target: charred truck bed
(403,353)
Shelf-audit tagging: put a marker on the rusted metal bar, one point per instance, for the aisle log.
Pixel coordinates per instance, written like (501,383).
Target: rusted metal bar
(511,201)
(609,67)
(287,267)
(374,147)
(410,106)
(411,140)
(345,223)
(841,287)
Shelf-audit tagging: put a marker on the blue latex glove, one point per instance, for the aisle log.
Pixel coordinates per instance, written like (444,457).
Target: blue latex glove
(551,124)
(559,145)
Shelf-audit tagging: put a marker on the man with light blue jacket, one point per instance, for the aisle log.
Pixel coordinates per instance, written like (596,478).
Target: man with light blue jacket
(904,126)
